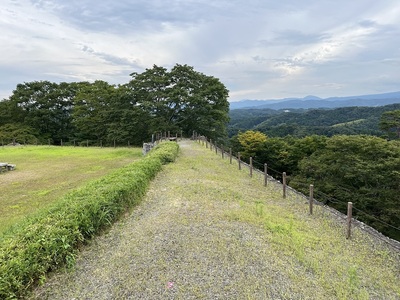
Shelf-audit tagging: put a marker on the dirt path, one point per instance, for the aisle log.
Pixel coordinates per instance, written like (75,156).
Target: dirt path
(200,233)
(174,245)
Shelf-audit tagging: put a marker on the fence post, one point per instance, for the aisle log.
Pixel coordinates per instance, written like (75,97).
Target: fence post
(251,166)
(230,155)
(216,148)
(284,184)
(265,174)
(240,165)
(311,198)
(211,144)
(206,143)
(349,216)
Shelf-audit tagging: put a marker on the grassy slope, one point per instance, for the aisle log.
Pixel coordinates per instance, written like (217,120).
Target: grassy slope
(213,232)
(44,174)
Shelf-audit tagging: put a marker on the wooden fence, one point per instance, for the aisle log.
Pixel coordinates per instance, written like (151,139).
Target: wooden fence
(348,219)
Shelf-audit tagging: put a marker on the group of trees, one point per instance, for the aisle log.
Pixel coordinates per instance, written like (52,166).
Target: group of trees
(157,100)
(361,169)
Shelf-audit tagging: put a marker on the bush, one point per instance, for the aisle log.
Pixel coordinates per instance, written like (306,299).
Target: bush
(51,238)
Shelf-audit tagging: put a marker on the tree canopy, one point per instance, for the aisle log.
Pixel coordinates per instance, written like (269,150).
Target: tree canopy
(157,100)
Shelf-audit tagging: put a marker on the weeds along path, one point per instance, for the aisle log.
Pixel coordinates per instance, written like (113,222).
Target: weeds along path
(208,231)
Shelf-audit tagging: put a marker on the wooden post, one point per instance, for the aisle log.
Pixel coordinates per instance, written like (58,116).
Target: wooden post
(349,216)
(265,174)
(216,148)
(311,198)
(87,143)
(251,166)
(230,155)
(211,144)
(284,184)
(222,152)
(206,143)
(240,165)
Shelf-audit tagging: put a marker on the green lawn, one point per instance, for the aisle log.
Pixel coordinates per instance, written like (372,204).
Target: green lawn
(44,174)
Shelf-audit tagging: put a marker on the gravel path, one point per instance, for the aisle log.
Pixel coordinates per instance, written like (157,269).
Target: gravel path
(184,242)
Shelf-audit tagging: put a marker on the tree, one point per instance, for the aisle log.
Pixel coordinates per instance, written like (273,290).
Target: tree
(360,169)
(390,122)
(92,107)
(43,106)
(182,99)
(252,142)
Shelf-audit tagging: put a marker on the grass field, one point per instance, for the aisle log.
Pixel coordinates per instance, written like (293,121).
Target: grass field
(44,174)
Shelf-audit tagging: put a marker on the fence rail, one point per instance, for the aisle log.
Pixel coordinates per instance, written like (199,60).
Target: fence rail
(348,220)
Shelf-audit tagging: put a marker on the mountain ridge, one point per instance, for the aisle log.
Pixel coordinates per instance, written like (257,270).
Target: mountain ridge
(311,101)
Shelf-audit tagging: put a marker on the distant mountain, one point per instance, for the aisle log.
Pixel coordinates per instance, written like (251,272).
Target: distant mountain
(316,102)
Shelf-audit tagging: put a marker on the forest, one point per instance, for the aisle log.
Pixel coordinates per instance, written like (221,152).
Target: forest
(179,100)
(303,122)
(359,163)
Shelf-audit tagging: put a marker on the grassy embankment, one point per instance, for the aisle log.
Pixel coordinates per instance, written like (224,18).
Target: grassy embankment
(44,174)
(207,231)
(50,238)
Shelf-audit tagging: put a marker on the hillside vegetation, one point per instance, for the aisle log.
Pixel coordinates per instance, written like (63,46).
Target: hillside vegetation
(208,231)
(300,123)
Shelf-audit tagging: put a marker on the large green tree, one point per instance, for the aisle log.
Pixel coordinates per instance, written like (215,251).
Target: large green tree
(182,99)
(43,106)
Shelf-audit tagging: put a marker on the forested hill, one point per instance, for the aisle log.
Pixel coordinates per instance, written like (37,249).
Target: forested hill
(300,122)
(309,102)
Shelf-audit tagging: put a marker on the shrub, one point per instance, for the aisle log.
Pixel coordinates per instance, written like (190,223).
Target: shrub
(51,238)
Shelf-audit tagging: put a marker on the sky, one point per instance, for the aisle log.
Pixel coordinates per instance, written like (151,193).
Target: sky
(259,49)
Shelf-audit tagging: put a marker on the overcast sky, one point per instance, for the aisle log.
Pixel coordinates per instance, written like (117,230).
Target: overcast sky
(260,49)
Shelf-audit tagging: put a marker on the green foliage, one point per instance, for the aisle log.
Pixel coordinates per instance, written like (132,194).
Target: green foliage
(300,123)
(390,122)
(182,99)
(157,100)
(51,238)
(362,170)
(252,143)
(17,133)
(359,169)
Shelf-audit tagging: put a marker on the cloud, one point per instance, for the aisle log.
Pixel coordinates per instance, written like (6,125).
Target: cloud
(259,49)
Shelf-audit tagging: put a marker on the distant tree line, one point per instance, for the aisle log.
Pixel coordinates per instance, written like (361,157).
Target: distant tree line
(328,122)
(157,100)
(361,169)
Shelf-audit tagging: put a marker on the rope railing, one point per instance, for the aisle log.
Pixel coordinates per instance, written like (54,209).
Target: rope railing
(256,167)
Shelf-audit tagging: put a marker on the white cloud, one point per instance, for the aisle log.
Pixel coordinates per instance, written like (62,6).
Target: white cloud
(259,49)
